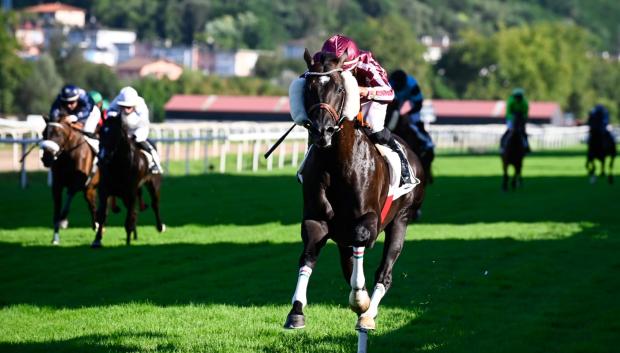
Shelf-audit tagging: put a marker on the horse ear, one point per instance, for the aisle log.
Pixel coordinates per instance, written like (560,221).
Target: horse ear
(308,59)
(343,58)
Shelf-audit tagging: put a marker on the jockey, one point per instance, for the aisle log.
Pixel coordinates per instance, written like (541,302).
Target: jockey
(375,94)
(406,88)
(74,101)
(135,115)
(517,107)
(102,104)
(598,120)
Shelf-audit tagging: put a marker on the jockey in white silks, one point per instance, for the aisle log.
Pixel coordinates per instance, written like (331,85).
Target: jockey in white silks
(135,115)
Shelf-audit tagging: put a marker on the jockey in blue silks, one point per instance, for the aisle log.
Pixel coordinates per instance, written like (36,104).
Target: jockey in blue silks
(406,88)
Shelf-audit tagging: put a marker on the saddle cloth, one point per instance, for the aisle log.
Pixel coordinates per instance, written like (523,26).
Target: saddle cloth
(393,161)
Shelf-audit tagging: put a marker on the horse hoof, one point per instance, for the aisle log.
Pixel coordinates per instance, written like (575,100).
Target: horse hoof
(359,301)
(55,241)
(295,321)
(365,323)
(64,223)
(96,245)
(162,228)
(592,179)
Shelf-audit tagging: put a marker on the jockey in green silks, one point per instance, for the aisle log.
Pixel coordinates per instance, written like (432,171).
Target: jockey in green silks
(517,110)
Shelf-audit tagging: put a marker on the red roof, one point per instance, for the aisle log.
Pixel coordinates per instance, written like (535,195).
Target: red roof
(229,104)
(52,7)
(271,104)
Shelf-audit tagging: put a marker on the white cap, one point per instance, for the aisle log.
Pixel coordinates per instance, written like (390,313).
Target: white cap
(128,97)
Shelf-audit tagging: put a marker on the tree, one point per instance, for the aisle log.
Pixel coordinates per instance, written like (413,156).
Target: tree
(12,69)
(38,90)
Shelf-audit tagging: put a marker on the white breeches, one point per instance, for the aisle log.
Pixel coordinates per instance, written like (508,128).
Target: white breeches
(93,119)
(374,114)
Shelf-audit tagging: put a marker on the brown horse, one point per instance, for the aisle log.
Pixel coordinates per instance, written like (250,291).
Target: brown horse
(601,145)
(345,192)
(124,169)
(402,129)
(67,153)
(513,153)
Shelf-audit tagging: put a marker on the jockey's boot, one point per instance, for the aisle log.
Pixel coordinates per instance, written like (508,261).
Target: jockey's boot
(300,176)
(526,144)
(502,142)
(156,168)
(405,179)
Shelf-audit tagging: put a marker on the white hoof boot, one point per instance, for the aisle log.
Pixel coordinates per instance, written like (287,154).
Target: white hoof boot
(56,239)
(359,301)
(64,223)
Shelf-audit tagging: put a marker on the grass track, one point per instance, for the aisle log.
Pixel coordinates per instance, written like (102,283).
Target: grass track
(484,271)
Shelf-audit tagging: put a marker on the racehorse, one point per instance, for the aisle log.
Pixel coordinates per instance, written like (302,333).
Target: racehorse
(71,159)
(345,187)
(402,129)
(124,169)
(513,153)
(600,145)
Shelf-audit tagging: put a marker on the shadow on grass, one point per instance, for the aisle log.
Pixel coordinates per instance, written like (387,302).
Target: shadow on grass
(248,199)
(470,292)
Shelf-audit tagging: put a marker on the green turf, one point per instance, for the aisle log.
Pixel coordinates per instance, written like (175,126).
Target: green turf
(534,270)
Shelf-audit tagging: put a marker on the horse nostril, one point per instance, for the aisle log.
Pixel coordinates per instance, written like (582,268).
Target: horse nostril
(330,130)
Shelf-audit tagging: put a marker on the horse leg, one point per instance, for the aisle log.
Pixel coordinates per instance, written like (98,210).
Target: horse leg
(57,199)
(153,187)
(64,214)
(314,235)
(365,229)
(130,218)
(143,206)
(394,241)
(90,195)
(102,214)
(590,168)
(517,176)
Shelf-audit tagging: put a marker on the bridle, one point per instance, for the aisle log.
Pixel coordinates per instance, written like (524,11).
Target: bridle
(336,116)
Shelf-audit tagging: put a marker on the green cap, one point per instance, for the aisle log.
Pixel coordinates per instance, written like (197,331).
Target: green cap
(518,92)
(105,105)
(96,96)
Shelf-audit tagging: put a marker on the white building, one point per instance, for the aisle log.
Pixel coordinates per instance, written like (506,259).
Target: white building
(57,13)
(105,46)
(237,63)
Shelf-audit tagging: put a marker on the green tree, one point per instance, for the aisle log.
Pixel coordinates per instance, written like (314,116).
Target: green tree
(38,90)
(12,69)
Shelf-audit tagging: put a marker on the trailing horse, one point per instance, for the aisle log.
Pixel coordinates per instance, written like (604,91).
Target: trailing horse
(345,193)
(402,129)
(124,169)
(71,160)
(601,144)
(513,153)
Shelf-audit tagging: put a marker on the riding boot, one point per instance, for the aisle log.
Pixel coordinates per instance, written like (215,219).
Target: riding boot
(404,163)
(526,144)
(157,169)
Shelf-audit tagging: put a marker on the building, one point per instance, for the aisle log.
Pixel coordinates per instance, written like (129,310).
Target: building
(104,46)
(458,112)
(252,108)
(141,67)
(227,108)
(235,63)
(58,13)
(435,47)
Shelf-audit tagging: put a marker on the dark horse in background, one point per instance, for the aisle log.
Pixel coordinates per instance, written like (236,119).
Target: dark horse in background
(124,169)
(71,160)
(600,145)
(345,188)
(513,153)
(402,129)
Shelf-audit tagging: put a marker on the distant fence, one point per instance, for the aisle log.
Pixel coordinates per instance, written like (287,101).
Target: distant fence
(240,146)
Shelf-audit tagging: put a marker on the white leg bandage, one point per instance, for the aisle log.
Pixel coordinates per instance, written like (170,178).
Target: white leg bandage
(302,285)
(377,295)
(357,276)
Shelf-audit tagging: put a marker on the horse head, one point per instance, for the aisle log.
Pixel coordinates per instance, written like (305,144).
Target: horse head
(113,135)
(57,136)
(330,94)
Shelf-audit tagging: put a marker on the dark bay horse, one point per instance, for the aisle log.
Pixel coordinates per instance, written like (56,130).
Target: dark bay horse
(600,145)
(403,130)
(124,169)
(513,154)
(345,188)
(70,158)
